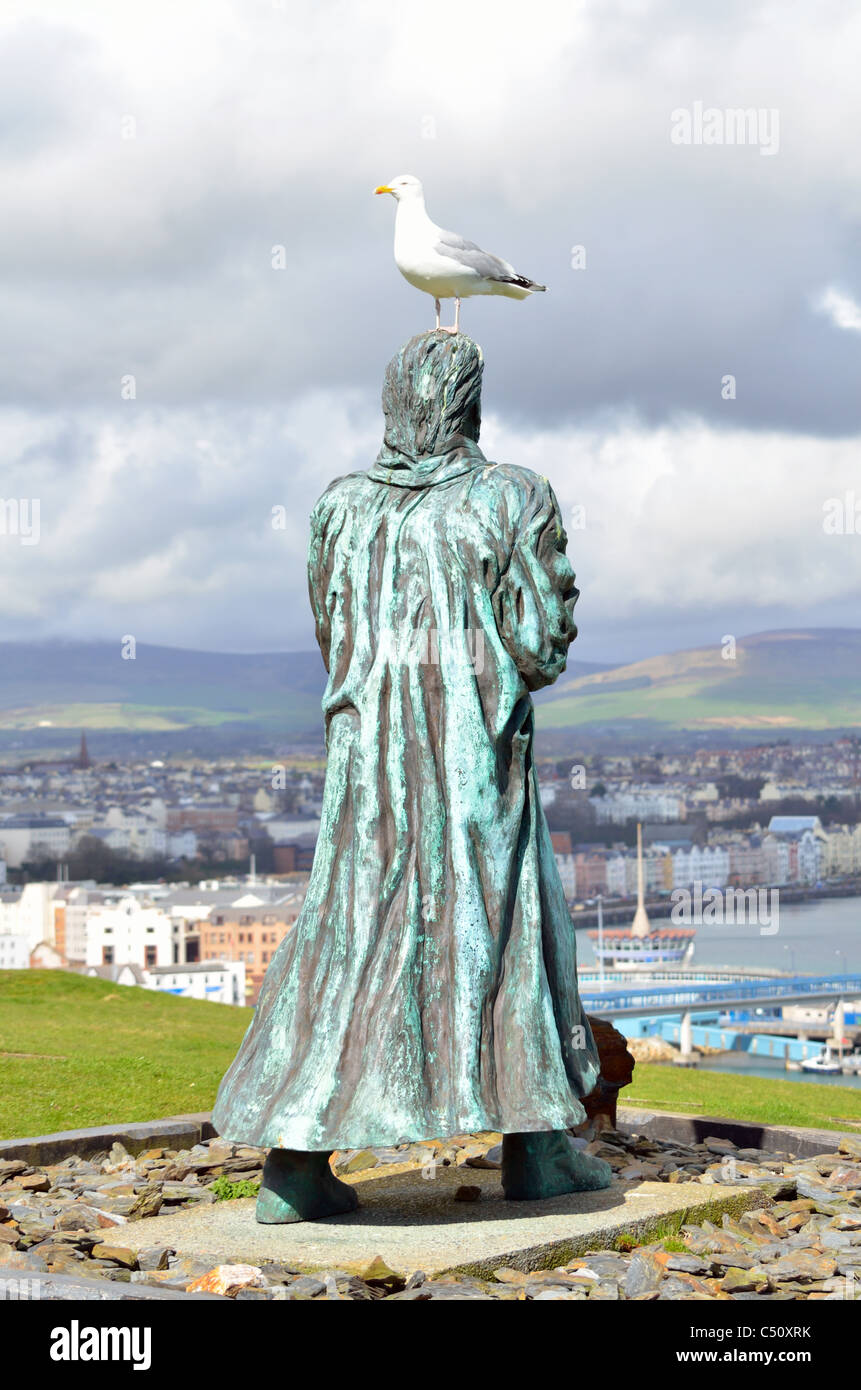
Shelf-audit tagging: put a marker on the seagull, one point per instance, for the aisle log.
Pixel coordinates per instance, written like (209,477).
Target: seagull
(442,263)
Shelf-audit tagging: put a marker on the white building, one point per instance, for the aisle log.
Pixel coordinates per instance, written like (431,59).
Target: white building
(215,981)
(14,952)
(127,933)
(617,876)
(131,831)
(218,981)
(28,912)
(810,855)
(568,874)
(842,852)
(31,838)
(76,903)
(182,844)
(705,864)
(811,841)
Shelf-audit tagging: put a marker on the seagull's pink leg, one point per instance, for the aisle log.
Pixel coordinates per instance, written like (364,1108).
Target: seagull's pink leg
(436,302)
(456,328)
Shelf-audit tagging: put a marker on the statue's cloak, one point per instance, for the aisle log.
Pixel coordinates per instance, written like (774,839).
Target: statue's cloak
(429,985)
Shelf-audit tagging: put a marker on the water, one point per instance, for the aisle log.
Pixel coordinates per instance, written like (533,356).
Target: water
(813,938)
(740,1062)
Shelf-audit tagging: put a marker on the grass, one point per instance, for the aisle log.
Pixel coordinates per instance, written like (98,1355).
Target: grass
(227,1191)
(76,1052)
(762,1101)
(87,1052)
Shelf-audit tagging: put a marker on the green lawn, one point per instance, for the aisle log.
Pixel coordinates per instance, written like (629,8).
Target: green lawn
(92,1053)
(743,1097)
(97,1053)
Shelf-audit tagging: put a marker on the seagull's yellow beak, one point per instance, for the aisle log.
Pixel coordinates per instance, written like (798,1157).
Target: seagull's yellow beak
(383,188)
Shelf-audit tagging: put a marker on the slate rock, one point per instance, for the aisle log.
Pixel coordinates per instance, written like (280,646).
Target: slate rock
(154,1257)
(556,1294)
(802,1266)
(306,1286)
(34,1182)
(644,1276)
(147,1203)
(687,1264)
(738,1280)
(116,1254)
(356,1162)
(11,1168)
(228,1280)
(21,1259)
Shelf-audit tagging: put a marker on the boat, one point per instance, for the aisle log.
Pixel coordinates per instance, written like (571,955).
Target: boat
(825,1062)
(641,947)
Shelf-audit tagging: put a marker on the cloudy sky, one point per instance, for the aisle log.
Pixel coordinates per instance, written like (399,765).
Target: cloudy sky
(152,155)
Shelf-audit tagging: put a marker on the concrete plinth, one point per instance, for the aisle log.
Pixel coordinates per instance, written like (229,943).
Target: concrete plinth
(416,1223)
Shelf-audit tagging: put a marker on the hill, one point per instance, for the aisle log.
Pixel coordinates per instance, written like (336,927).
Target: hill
(74,685)
(50,687)
(778,683)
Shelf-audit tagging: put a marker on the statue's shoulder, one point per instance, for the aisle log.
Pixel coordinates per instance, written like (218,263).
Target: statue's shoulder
(520,488)
(340,493)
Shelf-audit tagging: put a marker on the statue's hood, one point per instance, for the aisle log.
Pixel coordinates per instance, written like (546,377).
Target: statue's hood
(432,407)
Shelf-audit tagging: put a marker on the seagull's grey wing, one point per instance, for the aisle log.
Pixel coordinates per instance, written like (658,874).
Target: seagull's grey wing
(457,248)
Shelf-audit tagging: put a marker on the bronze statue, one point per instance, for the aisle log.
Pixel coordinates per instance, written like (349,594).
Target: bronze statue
(429,986)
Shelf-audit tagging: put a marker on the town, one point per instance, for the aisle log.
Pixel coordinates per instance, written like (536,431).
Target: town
(185,875)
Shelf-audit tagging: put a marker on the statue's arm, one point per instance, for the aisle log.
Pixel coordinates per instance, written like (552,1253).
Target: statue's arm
(536,595)
(320,557)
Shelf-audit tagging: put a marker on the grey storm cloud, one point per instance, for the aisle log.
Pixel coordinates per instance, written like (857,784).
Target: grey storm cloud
(152,160)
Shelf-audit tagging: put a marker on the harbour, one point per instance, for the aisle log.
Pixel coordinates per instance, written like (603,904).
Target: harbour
(817,940)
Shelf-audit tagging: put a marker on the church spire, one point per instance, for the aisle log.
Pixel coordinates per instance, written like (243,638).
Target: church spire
(84,755)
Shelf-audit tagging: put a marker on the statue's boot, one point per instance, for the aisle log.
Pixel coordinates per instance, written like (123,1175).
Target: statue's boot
(299,1186)
(546,1164)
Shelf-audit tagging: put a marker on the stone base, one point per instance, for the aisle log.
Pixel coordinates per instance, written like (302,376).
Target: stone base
(416,1223)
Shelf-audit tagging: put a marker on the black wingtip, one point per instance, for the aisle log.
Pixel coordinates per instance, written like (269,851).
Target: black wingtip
(522,282)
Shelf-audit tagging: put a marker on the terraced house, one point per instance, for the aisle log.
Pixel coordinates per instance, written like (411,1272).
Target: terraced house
(250,933)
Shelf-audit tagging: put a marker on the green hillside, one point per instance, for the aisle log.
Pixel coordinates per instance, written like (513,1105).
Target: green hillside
(75,685)
(77,1052)
(47,688)
(779,682)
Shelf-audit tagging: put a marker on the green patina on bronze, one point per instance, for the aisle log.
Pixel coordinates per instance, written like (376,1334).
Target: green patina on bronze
(429,986)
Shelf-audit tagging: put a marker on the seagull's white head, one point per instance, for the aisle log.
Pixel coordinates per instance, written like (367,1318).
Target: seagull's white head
(403,187)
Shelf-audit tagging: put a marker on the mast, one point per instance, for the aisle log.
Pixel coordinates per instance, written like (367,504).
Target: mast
(640,925)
